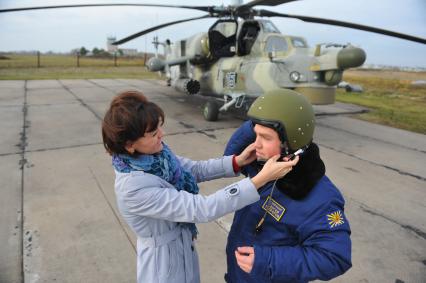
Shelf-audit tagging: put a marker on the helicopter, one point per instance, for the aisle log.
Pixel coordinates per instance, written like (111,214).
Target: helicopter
(243,55)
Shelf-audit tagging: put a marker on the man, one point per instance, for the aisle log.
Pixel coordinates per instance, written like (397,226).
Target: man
(297,231)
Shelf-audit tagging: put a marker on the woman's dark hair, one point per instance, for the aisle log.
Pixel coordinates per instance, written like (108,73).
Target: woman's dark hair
(129,117)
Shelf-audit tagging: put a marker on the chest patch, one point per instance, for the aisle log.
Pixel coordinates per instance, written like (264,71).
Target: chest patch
(273,208)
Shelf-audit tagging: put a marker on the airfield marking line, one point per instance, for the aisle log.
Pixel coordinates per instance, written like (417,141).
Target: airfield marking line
(415,230)
(101,86)
(44,88)
(322,114)
(51,148)
(371,211)
(10,153)
(367,137)
(54,104)
(22,162)
(129,84)
(63,147)
(112,209)
(221,224)
(81,101)
(200,131)
(374,163)
(10,106)
(155,83)
(157,91)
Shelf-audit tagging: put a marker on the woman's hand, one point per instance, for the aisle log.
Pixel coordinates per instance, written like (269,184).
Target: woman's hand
(273,170)
(247,156)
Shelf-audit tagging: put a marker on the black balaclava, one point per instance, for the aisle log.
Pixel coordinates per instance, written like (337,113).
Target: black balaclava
(305,174)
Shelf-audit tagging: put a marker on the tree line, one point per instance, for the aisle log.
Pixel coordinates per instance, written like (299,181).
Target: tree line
(96,52)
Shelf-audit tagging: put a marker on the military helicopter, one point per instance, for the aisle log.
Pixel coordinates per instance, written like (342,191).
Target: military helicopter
(243,55)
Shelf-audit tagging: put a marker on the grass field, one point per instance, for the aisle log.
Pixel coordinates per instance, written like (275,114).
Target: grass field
(389,94)
(24,67)
(48,61)
(392,99)
(106,72)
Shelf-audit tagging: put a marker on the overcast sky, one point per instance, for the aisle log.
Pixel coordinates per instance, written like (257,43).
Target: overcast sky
(61,30)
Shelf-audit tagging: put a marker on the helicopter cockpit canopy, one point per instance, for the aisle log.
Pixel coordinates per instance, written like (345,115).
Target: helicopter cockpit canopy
(222,38)
(277,44)
(247,37)
(298,42)
(269,27)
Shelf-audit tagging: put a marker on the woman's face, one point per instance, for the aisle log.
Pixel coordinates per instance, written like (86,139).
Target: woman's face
(150,143)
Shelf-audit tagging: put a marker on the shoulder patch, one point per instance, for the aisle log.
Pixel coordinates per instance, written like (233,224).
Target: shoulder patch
(335,219)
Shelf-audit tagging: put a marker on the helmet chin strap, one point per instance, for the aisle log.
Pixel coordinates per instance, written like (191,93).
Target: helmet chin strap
(284,149)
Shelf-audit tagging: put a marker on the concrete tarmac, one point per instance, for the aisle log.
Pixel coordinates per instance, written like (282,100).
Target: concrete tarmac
(58,217)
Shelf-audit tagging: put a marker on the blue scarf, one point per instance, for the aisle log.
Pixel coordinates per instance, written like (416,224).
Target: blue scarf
(164,165)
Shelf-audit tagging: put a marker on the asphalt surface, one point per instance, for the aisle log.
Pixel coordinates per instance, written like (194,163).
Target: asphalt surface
(58,217)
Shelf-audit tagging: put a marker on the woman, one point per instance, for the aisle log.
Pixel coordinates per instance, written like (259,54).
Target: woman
(157,191)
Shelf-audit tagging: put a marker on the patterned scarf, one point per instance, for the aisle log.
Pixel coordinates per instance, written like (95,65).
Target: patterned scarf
(164,165)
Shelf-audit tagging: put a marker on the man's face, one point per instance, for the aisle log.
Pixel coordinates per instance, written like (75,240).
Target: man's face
(267,142)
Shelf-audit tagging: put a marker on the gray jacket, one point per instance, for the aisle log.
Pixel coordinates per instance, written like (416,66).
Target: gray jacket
(153,208)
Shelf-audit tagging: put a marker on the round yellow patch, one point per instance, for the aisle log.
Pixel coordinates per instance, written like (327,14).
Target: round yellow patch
(335,219)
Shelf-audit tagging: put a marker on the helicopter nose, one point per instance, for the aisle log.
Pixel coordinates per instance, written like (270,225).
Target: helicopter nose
(350,57)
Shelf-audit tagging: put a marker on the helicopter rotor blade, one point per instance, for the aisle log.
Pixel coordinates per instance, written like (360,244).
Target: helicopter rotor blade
(266,3)
(246,9)
(201,8)
(265,13)
(133,36)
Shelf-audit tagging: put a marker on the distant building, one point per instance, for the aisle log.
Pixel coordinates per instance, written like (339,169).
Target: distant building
(113,48)
(129,52)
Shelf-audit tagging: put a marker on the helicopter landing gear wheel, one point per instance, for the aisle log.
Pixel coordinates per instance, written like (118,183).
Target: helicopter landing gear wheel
(211,111)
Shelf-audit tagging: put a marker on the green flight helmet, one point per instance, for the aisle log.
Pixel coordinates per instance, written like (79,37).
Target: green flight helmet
(289,113)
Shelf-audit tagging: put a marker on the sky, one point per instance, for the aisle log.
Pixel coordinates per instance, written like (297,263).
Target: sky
(61,30)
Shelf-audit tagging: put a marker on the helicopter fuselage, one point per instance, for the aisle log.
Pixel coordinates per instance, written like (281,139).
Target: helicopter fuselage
(241,60)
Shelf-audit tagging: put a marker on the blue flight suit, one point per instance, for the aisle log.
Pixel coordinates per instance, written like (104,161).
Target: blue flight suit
(300,240)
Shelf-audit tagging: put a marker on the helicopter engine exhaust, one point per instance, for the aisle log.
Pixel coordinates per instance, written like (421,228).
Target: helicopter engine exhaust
(189,86)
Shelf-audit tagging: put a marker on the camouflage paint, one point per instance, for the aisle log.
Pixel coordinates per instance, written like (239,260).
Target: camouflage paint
(318,69)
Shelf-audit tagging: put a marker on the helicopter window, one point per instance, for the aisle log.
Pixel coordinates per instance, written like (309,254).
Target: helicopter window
(298,42)
(276,44)
(222,37)
(227,29)
(247,37)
